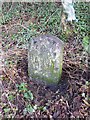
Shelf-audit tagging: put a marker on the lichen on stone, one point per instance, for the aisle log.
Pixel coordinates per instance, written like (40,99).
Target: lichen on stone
(45,57)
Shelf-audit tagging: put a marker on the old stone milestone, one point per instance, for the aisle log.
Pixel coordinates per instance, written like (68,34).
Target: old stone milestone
(45,58)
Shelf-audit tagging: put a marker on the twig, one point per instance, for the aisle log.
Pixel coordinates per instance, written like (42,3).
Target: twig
(86,103)
(10,7)
(23,26)
(50,17)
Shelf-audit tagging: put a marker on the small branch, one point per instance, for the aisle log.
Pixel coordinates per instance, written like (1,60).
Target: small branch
(50,17)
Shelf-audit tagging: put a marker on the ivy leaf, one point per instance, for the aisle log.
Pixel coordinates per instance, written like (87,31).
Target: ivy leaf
(6,110)
(86,43)
(11,97)
(22,87)
(28,95)
(28,109)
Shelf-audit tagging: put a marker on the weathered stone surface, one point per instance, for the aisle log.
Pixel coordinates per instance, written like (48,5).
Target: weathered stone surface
(45,58)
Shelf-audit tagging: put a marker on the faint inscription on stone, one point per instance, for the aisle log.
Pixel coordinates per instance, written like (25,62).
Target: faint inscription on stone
(45,56)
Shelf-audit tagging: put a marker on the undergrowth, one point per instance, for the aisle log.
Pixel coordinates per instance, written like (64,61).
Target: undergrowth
(26,20)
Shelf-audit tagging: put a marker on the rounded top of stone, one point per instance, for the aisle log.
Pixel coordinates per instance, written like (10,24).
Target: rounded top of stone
(49,37)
